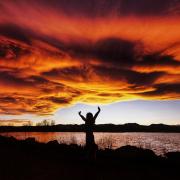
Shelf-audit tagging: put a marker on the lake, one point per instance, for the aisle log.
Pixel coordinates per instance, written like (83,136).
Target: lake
(160,143)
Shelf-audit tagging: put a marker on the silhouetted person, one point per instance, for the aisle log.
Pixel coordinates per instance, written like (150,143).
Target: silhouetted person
(89,124)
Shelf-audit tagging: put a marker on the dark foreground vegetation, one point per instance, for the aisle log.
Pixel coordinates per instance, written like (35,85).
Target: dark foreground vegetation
(30,160)
(130,127)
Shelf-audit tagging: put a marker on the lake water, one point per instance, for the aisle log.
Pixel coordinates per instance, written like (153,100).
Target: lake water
(160,143)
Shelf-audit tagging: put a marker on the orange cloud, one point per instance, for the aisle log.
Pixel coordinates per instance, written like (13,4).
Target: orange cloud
(53,54)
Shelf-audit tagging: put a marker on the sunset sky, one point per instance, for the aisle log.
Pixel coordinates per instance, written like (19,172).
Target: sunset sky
(61,56)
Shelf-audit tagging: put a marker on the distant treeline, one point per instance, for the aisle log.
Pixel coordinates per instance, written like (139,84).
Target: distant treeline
(131,127)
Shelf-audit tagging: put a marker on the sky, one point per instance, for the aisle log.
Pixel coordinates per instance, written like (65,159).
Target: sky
(59,57)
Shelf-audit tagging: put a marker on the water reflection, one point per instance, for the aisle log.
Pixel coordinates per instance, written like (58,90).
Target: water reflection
(158,142)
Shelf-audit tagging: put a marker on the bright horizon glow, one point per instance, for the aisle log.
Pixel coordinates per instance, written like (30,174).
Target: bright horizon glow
(139,111)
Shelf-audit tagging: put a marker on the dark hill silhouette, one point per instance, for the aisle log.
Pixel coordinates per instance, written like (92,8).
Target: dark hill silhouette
(130,127)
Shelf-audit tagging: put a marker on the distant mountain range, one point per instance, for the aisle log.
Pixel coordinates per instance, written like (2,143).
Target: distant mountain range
(130,127)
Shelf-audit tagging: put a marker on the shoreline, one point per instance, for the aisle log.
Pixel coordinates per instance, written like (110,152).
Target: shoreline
(111,128)
(28,159)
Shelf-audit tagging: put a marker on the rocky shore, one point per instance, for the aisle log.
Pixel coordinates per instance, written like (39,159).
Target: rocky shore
(31,160)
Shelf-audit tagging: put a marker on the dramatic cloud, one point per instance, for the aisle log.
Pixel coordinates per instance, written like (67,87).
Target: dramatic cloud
(164,89)
(147,7)
(101,8)
(58,53)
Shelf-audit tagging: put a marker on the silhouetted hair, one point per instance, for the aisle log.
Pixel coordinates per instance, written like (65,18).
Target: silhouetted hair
(89,115)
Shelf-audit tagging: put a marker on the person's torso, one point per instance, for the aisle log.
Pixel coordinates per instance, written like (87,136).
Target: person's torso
(89,124)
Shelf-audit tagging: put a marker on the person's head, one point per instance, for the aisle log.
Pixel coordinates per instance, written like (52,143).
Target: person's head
(89,115)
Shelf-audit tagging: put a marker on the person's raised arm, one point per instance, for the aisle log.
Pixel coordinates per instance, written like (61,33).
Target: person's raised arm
(96,115)
(83,118)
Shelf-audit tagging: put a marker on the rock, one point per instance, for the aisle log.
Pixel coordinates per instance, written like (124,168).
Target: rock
(54,142)
(30,140)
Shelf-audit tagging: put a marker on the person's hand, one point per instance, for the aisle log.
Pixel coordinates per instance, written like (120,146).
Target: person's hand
(99,108)
(79,112)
